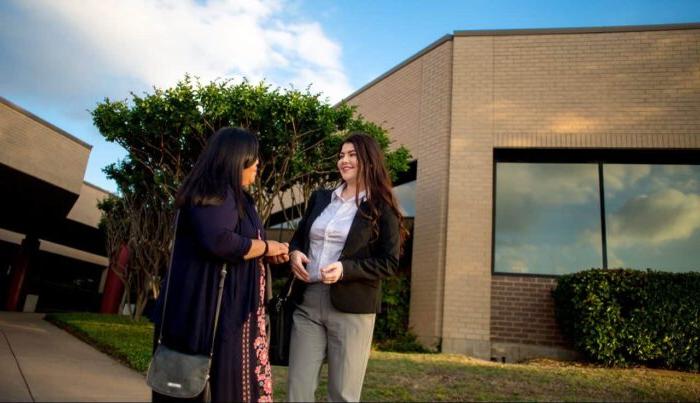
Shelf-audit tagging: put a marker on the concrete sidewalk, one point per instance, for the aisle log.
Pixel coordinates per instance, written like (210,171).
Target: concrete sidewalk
(40,362)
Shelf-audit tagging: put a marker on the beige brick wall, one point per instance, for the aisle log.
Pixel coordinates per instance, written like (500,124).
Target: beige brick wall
(467,302)
(413,103)
(38,150)
(614,89)
(621,89)
(85,209)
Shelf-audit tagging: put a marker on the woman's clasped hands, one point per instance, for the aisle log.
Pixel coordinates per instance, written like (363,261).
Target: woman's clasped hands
(329,274)
(277,252)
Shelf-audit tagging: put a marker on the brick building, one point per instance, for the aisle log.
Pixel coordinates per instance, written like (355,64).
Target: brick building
(52,254)
(541,152)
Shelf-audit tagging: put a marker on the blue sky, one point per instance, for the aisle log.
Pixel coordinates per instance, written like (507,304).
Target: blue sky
(58,58)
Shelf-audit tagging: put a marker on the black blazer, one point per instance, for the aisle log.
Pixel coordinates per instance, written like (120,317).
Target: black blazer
(365,260)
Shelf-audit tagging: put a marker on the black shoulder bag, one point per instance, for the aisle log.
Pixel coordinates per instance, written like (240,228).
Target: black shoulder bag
(280,310)
(175,374)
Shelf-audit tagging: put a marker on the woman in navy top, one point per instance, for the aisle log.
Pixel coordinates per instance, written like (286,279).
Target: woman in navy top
(219,225)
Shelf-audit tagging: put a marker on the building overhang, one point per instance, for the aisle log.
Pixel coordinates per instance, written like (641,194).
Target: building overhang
(41,180)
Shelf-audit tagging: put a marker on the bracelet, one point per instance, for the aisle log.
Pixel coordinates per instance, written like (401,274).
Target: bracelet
(267,247)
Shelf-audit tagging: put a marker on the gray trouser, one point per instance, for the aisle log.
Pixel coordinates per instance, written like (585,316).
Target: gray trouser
(320,331)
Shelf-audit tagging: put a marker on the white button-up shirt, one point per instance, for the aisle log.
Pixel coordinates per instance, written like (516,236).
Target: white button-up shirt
(329,232)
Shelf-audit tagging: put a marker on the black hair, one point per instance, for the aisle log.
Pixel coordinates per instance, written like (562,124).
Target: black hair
(219,168)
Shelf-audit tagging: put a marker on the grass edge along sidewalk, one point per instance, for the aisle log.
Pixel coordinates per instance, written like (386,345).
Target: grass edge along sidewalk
(428,377)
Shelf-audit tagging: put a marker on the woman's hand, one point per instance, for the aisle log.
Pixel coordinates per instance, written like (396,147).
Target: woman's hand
(298,260)
(279,259)
(332,273)
(275,248)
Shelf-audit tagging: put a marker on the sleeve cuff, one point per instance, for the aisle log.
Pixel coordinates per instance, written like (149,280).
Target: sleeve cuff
(245,246)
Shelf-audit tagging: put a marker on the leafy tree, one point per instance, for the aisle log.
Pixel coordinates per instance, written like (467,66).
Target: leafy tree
(165,131)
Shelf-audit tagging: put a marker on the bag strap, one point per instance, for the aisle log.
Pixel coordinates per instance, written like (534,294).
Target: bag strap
(167,287)
(167,281)
(291,284)
(218,310)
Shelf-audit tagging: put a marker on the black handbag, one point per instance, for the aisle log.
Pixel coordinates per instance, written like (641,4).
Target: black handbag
(176,374)
(280,310)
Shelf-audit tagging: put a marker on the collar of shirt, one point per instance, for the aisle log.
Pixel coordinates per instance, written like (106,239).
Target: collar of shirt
(337,195)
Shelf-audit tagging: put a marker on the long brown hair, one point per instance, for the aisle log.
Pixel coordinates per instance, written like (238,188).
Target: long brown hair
(219,168)
(374,175)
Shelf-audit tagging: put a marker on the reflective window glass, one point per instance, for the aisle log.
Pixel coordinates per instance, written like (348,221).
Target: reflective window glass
(406,193)
(653,216)
(547,218)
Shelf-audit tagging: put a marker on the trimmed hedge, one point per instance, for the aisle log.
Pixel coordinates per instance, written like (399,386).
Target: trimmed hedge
(623,317)
(391,332)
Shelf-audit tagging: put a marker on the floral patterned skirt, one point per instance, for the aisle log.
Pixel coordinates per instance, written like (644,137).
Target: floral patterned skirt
(241,369)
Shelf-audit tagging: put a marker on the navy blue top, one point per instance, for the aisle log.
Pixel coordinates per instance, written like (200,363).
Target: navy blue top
(206,238)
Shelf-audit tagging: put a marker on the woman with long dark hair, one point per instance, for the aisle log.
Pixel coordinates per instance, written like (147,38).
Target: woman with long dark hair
(218,225)
(347,241)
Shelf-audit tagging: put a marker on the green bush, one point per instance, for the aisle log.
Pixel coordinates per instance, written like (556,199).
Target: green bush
(623,317)
(393,320)
(404,343)
(391,332)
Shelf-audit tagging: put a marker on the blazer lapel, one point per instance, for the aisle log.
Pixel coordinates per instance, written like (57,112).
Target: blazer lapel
(355,227)
(323,199)
(320,205)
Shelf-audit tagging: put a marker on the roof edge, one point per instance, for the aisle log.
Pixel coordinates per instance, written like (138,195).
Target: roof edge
(44,122)
(579,30)
(92,185)
(525,31)
(435,44)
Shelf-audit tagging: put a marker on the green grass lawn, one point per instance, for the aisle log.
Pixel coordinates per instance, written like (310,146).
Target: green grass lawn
(430,377)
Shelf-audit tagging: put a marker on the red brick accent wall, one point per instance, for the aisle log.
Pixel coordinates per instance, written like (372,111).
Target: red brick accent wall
(522,311)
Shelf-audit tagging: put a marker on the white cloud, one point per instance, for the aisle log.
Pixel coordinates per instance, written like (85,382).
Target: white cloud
(156,42)
(684,178)
(546,258)
(550,184)
(314,47)
(669,215)
(528,192)
(622,176)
